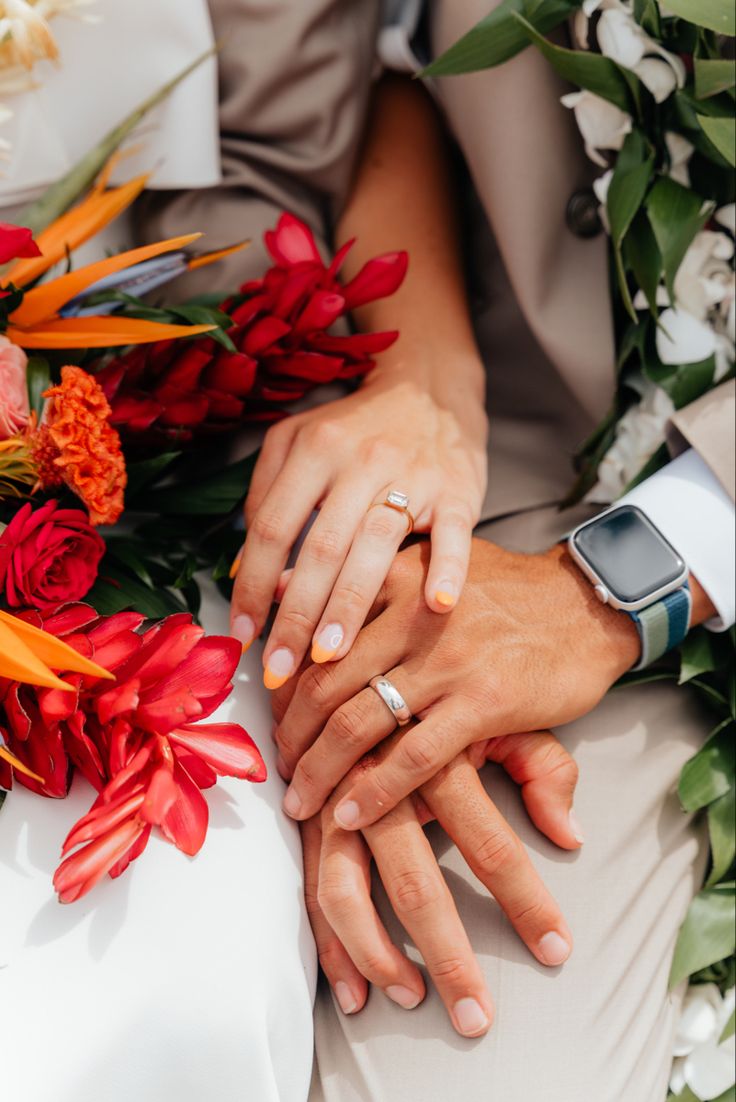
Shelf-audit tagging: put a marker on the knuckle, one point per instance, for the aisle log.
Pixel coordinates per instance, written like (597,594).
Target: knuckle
(326,547)
(335,895)
(459,519)
(311,901)
(495,852)
(414,891)
(346,725)
(323,434)
(304,778)
(267,528)
(452,970)
(381,525)
(379,452)
(351,595)
(330,956)
(297,620)
(375,968)
(317,687)
(528,913)
(418,753)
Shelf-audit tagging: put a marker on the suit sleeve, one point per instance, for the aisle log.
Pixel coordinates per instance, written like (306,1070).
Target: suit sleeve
(294,88)
(709,426)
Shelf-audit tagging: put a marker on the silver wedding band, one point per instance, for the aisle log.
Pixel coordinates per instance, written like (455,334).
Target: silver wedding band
(392,698)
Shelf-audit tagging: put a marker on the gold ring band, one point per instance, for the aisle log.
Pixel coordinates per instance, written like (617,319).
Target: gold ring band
(400,504)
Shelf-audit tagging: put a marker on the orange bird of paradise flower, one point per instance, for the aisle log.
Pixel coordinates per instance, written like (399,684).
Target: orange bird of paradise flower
(37,321)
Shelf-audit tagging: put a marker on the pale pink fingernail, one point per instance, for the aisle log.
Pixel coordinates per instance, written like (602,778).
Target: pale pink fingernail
(345,997)
(404,996)
(576,828)
(446,594)
(292,802)
(327,643)
(279,668)
(243,629)
(347,814)
(470,1017)
(553,949)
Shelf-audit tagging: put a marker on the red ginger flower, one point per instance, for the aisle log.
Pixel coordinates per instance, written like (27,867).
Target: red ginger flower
(77,445)
(134,741)
(280,328)
(16,241)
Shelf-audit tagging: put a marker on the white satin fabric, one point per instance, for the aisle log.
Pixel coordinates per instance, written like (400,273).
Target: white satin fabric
(184,980)
(105,70)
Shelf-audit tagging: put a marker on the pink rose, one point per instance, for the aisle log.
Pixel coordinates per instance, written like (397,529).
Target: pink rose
(47,556)
(14,407)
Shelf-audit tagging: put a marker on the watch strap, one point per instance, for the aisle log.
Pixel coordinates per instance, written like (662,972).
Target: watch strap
(663,625)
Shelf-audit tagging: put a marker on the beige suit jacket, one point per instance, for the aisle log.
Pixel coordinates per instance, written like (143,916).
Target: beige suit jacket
(295,79)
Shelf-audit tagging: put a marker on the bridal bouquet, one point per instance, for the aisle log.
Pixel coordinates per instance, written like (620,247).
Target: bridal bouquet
(654,101)
(111,499)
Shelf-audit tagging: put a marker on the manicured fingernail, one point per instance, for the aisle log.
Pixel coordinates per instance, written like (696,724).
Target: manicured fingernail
(347,814)
(445,594)
(292,802)
(279,668)
(470,1017)
(327,643)
(243,628)
(345,997)
(236,564)
(553,949)
(404,996)
(576,828)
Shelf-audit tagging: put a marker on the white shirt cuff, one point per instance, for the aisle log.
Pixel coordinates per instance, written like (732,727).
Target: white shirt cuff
(690,507)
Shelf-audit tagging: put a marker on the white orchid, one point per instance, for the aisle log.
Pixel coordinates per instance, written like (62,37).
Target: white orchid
(621,39)
(639,433)
(602,124)
(680,151)
(703,1062)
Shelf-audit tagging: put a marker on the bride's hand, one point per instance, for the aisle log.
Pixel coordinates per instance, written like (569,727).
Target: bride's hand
(341,459)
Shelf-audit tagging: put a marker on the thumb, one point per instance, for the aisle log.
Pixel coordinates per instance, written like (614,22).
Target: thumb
(548,775)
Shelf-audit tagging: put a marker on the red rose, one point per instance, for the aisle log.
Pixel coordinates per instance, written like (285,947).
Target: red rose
(48,556)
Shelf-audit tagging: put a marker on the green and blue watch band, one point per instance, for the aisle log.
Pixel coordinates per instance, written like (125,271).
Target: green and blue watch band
(663,625)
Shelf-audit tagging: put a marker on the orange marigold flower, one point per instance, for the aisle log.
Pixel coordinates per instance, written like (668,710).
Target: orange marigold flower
(78,441)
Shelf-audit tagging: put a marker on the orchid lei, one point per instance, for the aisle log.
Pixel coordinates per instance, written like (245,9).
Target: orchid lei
(655,108)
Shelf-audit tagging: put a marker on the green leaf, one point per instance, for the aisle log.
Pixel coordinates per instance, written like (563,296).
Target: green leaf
(594,72)
(722,830)
(642,256)
(729,1029)
(497,37)
(626,192)
(727,1096)
(709,773)
(115,590)
(708,933)
(713,76)
(698,654)
(722,134)
(145,471)
(655,463)
(676,214)
(716,15)
(64,192)
(683,382)
(38,379)
(214,495)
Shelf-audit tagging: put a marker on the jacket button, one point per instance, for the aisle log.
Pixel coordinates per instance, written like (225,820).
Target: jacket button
(582,215)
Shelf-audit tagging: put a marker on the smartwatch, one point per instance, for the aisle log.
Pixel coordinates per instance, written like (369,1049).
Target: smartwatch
(635,569)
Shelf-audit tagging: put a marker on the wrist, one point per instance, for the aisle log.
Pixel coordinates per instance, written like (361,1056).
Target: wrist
(454,380)
(611,635)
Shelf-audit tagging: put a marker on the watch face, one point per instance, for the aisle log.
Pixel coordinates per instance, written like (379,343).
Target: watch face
(630,556)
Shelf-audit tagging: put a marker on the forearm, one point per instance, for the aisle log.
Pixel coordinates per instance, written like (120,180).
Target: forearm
(402,198)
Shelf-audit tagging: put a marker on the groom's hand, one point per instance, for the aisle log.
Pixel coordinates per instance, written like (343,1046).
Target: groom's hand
(353,944)
(528,647)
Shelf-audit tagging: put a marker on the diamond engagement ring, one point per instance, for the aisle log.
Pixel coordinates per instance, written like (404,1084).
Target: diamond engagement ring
(392,698)
(399,502)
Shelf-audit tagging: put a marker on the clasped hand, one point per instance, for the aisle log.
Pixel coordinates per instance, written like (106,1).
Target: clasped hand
(506,662)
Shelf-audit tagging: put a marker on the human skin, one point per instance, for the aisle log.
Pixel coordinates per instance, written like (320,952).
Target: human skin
(413,426)
(528,647)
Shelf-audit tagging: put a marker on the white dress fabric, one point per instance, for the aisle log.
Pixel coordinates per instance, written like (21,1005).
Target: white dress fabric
(184,980)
